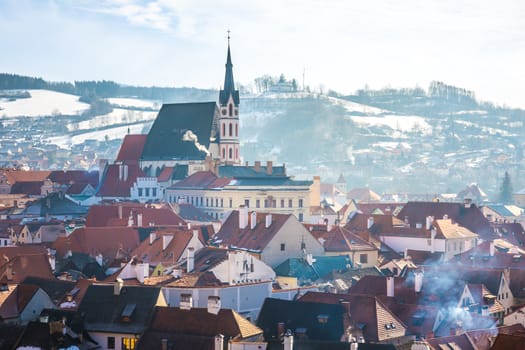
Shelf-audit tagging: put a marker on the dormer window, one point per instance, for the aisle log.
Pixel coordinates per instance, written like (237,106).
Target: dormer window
(323,318)
(127,313)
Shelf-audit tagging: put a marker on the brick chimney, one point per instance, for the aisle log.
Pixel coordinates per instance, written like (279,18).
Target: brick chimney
(269,167)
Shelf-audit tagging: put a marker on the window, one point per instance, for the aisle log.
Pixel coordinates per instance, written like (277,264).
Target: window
(283,247)
(222,203)
(282,203)
(274,203)
(224,112)
(289,203)
(301,217)
(154,190)
(223,129)
(257,203)
(147,192)
(300,203)
(230,129)
(230,153)
(207,202)
(266,203)
(236,130)
(111,343)
(129,343)
(247,203)
(363,258)
(303,245)
(230,107)
(223,153)
(216,202)
(231,203)
(140,192)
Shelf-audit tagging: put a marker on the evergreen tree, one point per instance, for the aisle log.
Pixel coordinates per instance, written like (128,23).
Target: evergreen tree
(506,189)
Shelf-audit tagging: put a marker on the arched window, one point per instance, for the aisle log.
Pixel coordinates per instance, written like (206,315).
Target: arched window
(231,153)
(223,153)
(236,153)
(231,129)
(236,130)
(231,110)
(223,129)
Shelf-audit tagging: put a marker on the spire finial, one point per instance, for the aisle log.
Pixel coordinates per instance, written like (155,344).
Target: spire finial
(228,31)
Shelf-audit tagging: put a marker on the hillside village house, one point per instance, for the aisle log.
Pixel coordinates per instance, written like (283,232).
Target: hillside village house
(266,188)
(273,238)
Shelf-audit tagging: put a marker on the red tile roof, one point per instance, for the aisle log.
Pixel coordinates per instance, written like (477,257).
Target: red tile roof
(22,266)
(131,148)
(255,239)
(113,186)
(108,215)
(165,174)
(107,241)
(483,338)
(461,341)
(8,253)
(470,217)
(153,253)
(14,176)
(202,179)
(339,239)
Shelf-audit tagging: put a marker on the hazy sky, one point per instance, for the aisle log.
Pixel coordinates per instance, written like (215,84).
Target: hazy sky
(343,45)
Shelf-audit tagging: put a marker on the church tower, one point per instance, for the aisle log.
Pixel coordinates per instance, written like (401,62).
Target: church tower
(229,152)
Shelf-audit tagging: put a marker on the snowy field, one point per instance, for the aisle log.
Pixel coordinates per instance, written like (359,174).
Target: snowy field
(356,107)
(133,102)
(401,123)
(42,103)
(117,116)
(99,135)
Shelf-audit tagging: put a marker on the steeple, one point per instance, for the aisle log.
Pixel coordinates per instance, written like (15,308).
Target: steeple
(229,85)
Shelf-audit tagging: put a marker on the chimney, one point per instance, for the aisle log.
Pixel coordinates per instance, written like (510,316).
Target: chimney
(429,221)
(492,248)
(485,310)
(117,286)
(52,262)
(139,219)
(406,220)
(253,220)
(257,166)
(189,225)
(141,271)
(219,342)
(418,281)
(164,344)
(467,202)
(190,259)
(152,237)
(433,233)
(268,220)
(9,271)
(390,286)
(370,222)
(166,240)
(243,217)
(186,301)
(269,167)
(214,304)
(288,340)
(120,211)
(100,259)
(125,173)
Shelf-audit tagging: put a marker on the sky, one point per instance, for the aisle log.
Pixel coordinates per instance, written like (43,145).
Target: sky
(341,45)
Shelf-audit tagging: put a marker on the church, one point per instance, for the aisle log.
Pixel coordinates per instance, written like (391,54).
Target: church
(195,136)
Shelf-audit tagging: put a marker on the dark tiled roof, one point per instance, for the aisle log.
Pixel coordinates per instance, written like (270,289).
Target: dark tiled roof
(69,177)
(191,213)
(229,85)
(509,341)
(104,311)
(165,139)
(56,289)
(131,148)
(301,314)
(461,341)
(55,204)
(262,171)
(33,188)
(380,208)
(16,302)
(483,338)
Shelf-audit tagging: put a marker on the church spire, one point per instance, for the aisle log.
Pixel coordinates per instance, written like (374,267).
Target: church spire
(229,85)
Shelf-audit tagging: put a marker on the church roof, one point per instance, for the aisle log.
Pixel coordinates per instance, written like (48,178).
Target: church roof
(179,130)
(131,148)
(229,85)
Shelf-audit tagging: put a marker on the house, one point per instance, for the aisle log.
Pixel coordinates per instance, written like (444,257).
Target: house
(341,241)
(117,315)
(240,280)
(200,328)
(368,319)
(24,304)
(259,187)
(500,213)
(38,232)
(273,238)
(465,214)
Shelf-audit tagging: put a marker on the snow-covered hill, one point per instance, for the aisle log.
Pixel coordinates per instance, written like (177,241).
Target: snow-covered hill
(42,103)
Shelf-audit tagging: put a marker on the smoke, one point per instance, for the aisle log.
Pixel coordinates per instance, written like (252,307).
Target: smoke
(190,136)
